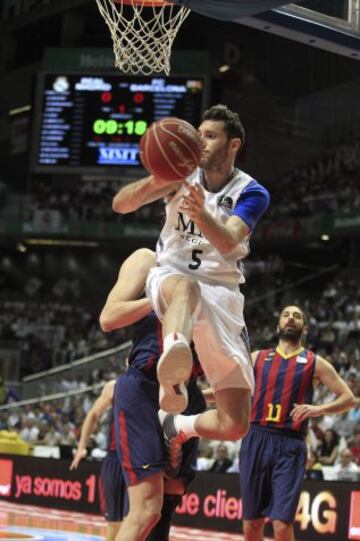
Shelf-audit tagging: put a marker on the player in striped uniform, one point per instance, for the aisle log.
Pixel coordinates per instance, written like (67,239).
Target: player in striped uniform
(113,497)
(195,286)
(139,436)
(273,453)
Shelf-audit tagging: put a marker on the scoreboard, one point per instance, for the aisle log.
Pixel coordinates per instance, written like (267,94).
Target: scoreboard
(94,122)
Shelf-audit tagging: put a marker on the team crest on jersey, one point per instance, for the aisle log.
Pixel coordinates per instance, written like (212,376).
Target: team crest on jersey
(226,202)
(270,356)
(300,359)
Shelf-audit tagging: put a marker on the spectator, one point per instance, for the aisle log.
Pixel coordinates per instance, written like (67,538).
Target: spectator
(328,449)
(346,462)
(205,456)
(344,425)
(355,447)
(313,467)
(222,461)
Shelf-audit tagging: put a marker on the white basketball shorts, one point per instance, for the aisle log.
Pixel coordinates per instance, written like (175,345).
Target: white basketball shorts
(219,330)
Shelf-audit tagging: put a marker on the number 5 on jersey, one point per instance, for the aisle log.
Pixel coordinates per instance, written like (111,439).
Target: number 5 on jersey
(196,260)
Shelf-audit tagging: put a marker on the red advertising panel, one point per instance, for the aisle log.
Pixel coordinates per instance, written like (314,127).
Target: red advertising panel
(49,483)
(327,511)
(6,472)
(354,523)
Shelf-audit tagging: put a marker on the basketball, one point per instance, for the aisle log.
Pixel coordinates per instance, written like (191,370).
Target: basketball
(171,149)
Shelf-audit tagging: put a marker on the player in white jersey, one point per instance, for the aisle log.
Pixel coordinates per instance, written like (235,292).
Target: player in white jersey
(183,246)
(195,287)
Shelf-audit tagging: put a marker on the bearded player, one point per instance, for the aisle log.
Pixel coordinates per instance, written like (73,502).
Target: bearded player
(273,453)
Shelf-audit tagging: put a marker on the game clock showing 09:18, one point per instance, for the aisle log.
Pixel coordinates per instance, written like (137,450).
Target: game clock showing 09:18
(89,121)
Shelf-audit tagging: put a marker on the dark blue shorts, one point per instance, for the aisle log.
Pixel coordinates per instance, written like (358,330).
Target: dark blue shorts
(272,467)
(113,494)
(139,437)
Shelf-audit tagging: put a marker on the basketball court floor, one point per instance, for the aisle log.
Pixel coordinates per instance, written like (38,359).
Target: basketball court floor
(18,522)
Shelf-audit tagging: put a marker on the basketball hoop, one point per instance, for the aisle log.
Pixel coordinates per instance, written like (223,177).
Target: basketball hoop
(143,32)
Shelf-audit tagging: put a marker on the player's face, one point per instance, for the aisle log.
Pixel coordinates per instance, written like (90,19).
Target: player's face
(217,148)
(291,324)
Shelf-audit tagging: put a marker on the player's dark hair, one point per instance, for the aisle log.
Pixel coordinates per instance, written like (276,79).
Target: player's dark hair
(232,122)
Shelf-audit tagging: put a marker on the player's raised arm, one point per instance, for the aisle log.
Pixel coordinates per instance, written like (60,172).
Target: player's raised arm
(140,193)
(99,407)
(170,150)
(123,305)
(251,205)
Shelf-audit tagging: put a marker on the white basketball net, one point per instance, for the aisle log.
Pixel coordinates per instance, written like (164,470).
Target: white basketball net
(142,34)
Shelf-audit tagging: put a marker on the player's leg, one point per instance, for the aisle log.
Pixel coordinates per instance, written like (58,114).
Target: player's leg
(176,298)
(145,503)
(180,297)
(140,452)
(283,531)
(255,461)
(230,420)
(112,529)
(287,479)
(173,488)
(220,341)
(112,494)
(254,529)
(161,531)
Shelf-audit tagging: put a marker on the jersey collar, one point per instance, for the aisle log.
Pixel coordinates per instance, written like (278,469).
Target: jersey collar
(291,354)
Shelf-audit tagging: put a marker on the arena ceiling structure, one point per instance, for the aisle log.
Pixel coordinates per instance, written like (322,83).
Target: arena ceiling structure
(336,30)
(333,26)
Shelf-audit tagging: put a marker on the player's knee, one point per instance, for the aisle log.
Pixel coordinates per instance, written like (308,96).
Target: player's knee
(182,287)
(147,517)
(152,510)
(144,259)
(282,530)
(152,517)
(252,527)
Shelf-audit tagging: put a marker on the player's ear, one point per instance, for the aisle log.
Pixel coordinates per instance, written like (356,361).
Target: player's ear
(235,144)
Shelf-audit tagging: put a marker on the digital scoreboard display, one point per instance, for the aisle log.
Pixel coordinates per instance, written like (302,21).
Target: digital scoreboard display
(96,121)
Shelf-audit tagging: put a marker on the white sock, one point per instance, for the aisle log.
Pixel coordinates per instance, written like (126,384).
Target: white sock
(173,337)
(162,414)
(186,423)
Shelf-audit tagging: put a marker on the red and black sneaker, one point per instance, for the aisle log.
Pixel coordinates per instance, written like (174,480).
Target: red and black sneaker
(174,440)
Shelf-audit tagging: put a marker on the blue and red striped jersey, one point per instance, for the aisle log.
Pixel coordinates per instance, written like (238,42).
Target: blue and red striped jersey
(147,347)
(280,382)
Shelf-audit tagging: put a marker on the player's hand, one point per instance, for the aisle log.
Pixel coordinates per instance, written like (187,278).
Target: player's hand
(300,412)
(193,203)
(79,455)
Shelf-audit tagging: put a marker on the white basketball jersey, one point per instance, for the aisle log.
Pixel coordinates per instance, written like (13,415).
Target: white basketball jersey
(182,246)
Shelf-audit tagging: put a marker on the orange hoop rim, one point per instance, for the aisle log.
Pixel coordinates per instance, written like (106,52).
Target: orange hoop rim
(144,3)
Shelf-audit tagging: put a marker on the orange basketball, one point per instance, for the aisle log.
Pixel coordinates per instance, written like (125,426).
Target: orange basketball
(171,149)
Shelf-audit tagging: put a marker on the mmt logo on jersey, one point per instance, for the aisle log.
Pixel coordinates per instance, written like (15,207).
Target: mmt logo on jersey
(187,226)
(6,472)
